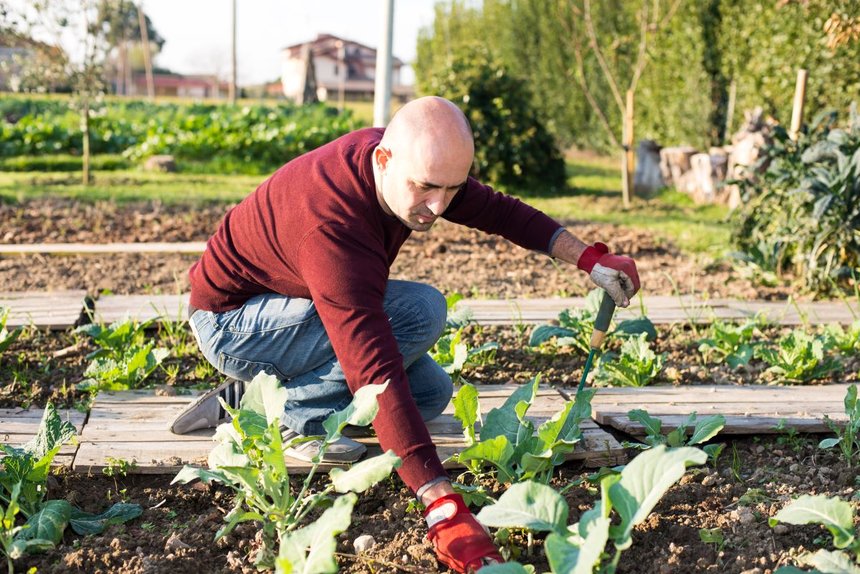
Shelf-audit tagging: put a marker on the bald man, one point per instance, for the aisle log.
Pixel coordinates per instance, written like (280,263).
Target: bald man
(295,283)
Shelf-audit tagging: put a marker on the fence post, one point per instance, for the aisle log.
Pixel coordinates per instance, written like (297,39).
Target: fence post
(797,108)
(627,142)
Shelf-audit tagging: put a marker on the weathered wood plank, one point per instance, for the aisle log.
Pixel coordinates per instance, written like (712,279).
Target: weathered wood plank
(45,310)
(110,308)
(665,309)
(192,247)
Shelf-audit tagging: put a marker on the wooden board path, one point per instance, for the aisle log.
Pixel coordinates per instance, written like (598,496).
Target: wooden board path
(192,247)
(19,426)
(47,309)
(133,426)
(110,308)
(666,310)
(749,409)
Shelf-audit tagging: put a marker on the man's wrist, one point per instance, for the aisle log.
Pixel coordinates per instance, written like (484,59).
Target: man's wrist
(434,489)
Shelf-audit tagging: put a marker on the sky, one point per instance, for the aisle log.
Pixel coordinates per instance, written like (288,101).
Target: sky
(197,32)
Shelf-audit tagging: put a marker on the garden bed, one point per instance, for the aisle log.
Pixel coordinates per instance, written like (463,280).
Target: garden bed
(450,257)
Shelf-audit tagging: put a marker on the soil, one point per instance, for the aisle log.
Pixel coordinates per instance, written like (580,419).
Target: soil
(451,257)
(753,479)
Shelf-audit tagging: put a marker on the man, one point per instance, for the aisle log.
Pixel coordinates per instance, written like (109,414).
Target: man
(295,283)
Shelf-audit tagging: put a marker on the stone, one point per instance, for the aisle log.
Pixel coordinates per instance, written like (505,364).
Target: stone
(363,543)
(164,163)
(174,543)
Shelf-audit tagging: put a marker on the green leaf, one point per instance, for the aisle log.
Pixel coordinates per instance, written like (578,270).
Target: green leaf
(364,474)
(635,327)
(707,428)
(48,523)
(190,473)
(310,550)
(829,442)
(53,433)
(831,562)
(567,558)
(467,410)
(360,412)
(643,483)
(836,515)
(653,426)
(508,568)
(85,523)
(496,451)
(529,505)
(266,396)
(543,333)
(505,420)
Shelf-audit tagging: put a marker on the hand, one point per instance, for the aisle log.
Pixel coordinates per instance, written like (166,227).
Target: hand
(615,274)
(461,543)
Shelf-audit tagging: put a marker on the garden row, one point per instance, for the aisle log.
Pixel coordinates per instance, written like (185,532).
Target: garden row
(248,139)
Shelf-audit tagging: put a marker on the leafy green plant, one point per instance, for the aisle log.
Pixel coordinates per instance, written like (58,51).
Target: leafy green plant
(713,536)
(626,500)
(249,459)
(804,206)
(798,358)
(8,530)
(508,441)
(838,517)
(450,351)
(24,485)
(843,340)
(635,365)
(703,430)
(28,466)
(847,436)
(729,342)
(576,325)
(7,337)
(124,358)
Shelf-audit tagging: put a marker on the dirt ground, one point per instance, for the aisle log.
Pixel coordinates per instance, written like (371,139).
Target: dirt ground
(753,479)
(450,257)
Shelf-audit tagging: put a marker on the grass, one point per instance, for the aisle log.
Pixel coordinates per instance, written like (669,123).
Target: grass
(595,196)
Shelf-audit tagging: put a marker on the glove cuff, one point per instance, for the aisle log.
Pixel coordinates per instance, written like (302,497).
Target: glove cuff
(591,255)
(444,508)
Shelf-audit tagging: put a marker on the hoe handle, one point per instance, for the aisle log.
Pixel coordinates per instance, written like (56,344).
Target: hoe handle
(601,324)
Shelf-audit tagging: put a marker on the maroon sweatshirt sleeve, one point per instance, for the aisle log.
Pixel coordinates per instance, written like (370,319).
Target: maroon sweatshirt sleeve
(480,207)
(347,281)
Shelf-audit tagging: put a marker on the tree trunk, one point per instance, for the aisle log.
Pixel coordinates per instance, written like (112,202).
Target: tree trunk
(85,129)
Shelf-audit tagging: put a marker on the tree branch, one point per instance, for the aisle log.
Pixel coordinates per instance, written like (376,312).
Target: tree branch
(610,79)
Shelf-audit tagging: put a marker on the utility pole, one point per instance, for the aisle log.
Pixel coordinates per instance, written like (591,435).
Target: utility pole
(232,93)
(382,86)
(147,60)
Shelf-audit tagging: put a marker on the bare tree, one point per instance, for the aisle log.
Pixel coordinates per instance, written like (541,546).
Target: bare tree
(585,42)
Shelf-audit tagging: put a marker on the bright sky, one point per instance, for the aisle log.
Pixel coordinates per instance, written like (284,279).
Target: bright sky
(197,32)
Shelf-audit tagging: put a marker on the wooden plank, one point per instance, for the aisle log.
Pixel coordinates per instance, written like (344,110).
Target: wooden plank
(146,397)
(45,310)
(665,310)
(748,409)
(110,308)
(18,427)
(191,247)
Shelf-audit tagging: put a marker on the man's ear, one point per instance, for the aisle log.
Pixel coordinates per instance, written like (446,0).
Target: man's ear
(381,156)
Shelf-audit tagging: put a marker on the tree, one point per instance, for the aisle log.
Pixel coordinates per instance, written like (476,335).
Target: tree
(119,23)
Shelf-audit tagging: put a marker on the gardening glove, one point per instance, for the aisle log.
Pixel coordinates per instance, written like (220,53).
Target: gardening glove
(615,274)
(461,543)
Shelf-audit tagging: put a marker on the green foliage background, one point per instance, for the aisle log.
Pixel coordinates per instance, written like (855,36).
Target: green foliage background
(694,57)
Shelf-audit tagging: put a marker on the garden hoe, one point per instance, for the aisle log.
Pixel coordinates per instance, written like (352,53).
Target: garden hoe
(601,326)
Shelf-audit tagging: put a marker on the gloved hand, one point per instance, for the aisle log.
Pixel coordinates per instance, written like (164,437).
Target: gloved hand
(615,274)
(460,541)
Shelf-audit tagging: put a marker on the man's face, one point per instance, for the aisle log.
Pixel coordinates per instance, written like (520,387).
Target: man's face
(417,187)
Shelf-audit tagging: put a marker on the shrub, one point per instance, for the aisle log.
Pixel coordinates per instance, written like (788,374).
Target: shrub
(804,209)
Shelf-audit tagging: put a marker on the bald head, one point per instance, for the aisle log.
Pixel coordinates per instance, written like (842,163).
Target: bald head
(423,161)
(429,126)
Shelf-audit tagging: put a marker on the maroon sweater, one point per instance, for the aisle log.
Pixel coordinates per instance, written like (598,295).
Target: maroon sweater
(315,230)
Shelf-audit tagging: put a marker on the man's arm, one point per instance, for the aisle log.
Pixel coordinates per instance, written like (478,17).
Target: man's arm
(614,273)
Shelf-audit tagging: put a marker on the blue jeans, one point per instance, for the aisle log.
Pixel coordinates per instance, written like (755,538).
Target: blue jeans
(284,336)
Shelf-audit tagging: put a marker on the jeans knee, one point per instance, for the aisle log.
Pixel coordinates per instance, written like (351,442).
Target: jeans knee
(436,312)
(433,405)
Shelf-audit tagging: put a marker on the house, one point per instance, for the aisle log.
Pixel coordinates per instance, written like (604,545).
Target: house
(338,65)
(31,66)
(169,84)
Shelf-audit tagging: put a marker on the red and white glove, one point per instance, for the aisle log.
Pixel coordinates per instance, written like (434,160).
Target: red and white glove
(615,274)
(461,543)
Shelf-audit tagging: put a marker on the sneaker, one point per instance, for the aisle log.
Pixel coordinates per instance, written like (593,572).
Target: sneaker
(344,450)
(207,412)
